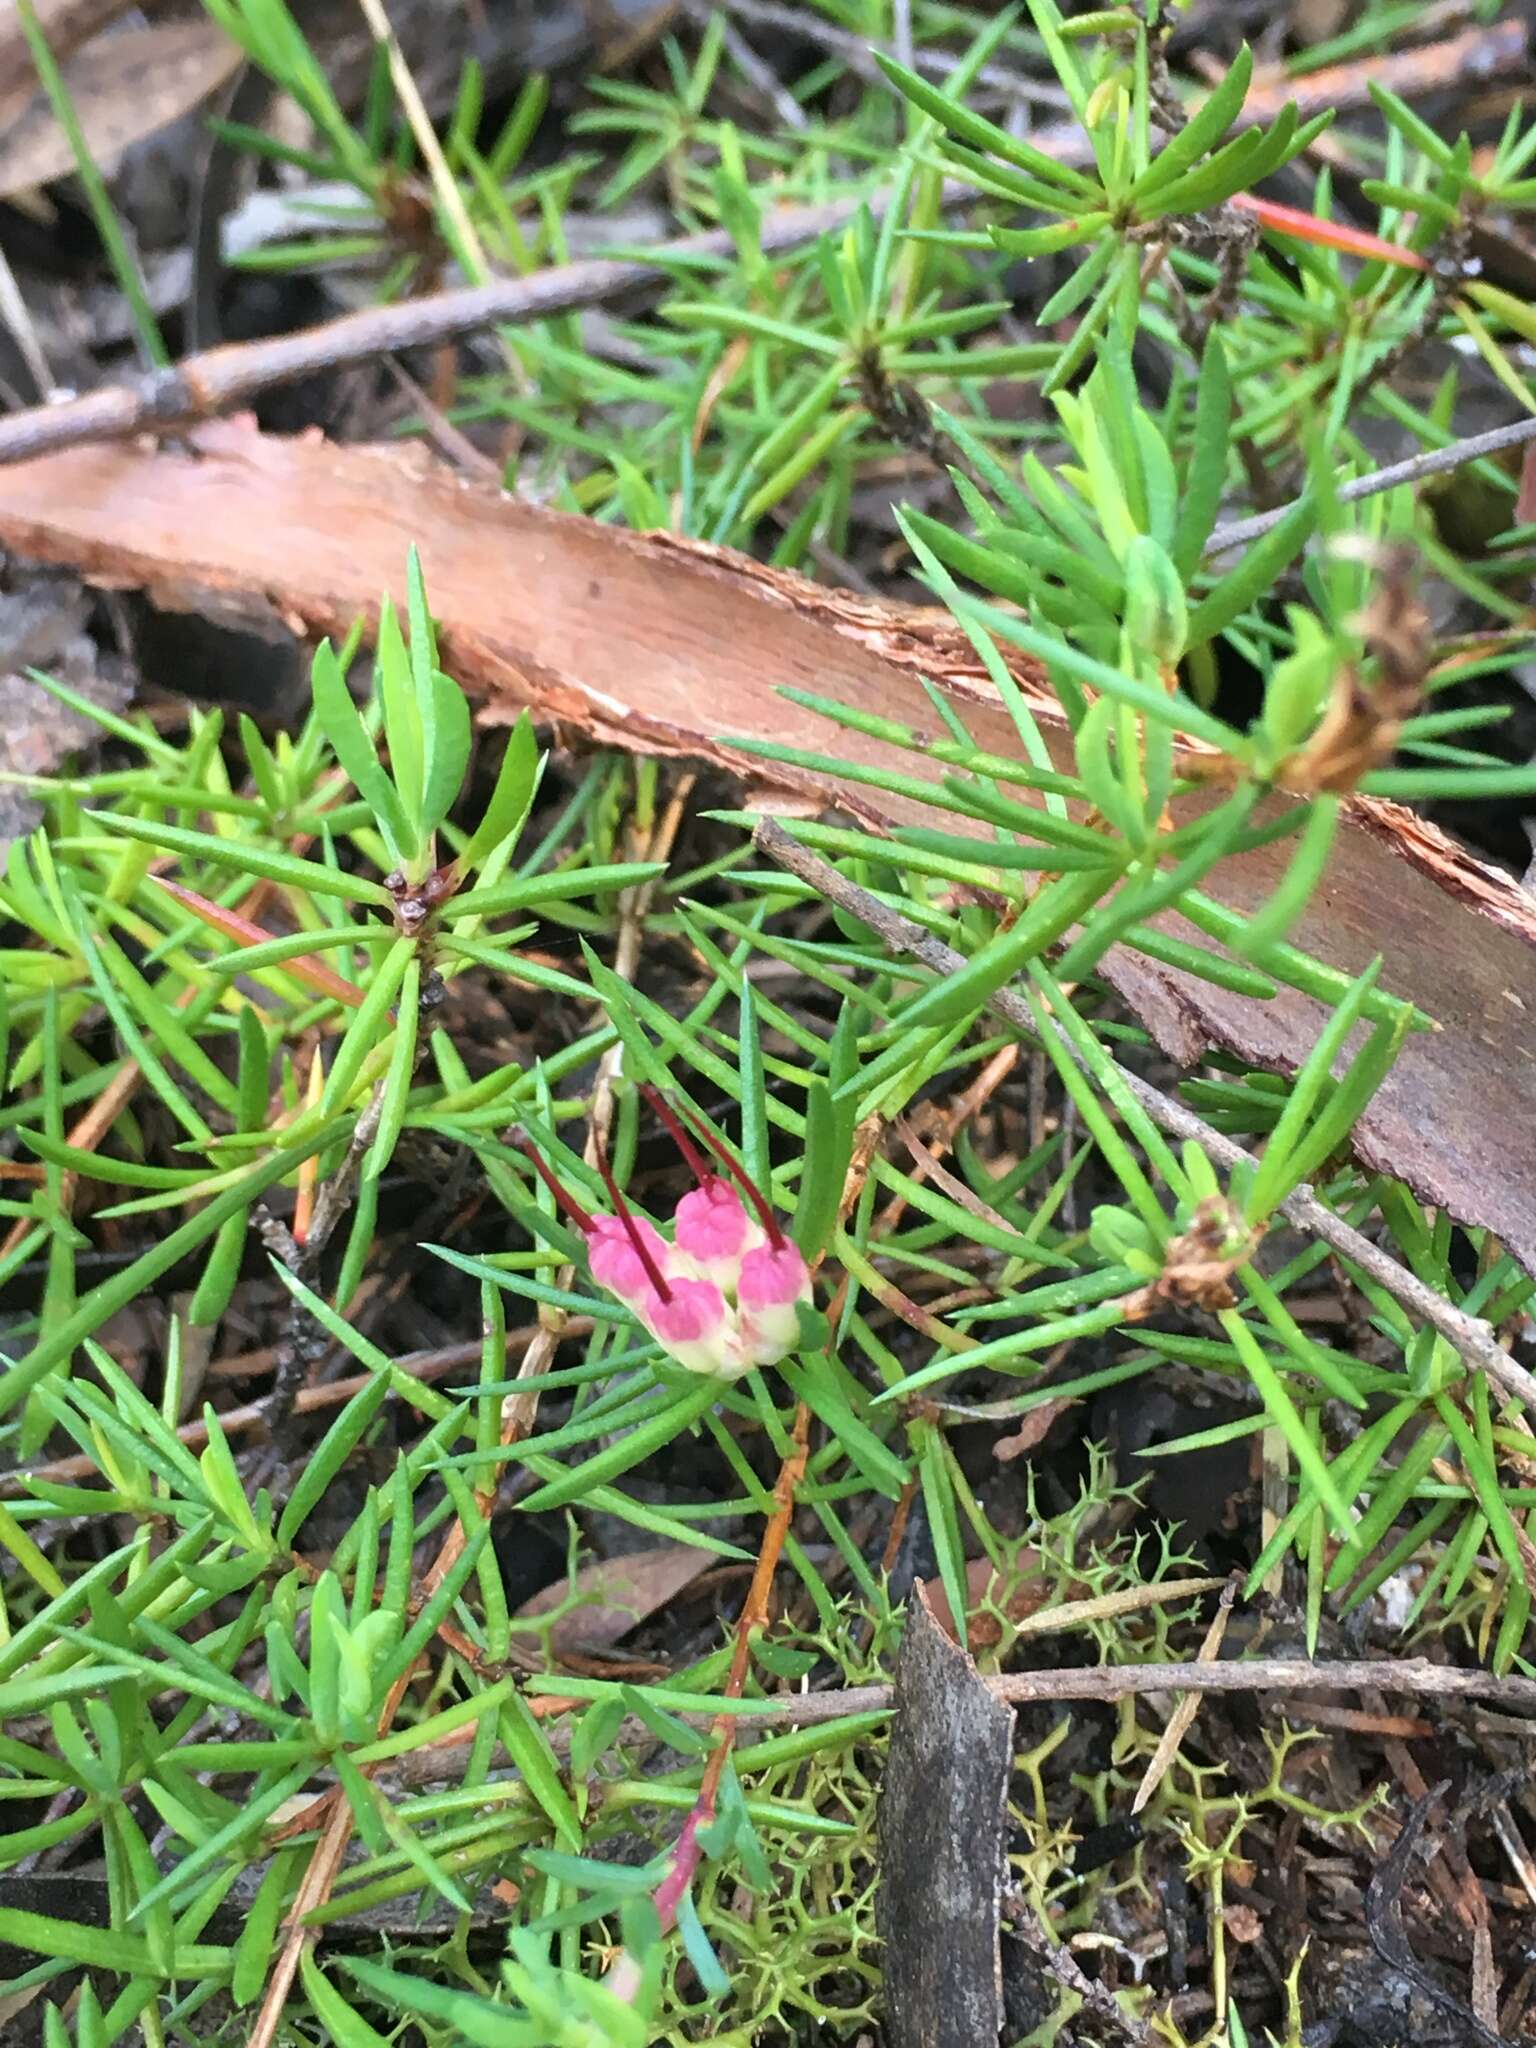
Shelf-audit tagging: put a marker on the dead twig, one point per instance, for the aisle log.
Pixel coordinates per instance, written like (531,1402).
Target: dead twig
(860,54)
(1184,1713)
(1433,462)
(215,381)
(1117,1682)
(1058,1961)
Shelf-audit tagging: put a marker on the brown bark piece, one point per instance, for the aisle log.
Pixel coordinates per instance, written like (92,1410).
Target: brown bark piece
(943,1809)
(670,646)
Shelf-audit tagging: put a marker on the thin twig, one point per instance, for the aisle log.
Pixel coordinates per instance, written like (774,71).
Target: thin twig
(1290,1676)
(314,1889)
(1473,1338)
(761,77)
(336,1196)
(444,184)
(18,321)
(213,381)
(1184,1713)
(1433,462)
(1122,1681)
(1057,1959)
(204,385)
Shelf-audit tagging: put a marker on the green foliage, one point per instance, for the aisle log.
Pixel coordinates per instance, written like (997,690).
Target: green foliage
(253,956)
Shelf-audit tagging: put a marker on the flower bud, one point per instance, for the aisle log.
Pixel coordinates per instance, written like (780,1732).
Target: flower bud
(715,1231)
(616,1248)
(721,1299)
(697,1329)
(1156,610)
(774,1281)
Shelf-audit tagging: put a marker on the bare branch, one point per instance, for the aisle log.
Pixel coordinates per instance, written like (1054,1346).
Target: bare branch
(212,382)
(1433,462)
(1416,1675)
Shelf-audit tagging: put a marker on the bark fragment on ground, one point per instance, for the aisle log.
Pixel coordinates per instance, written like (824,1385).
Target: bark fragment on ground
(943,1811)
(669,646)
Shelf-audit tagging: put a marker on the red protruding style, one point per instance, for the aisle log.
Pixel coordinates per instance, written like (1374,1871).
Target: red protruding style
(739,1174)
(698,1165)
(636,1236)
(710,1225)
(585,1223)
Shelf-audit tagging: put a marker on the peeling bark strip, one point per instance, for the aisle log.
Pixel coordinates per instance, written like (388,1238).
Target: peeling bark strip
(669,646)
(942,1823)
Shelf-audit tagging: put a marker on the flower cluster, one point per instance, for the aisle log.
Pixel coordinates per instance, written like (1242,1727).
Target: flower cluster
(724,1293)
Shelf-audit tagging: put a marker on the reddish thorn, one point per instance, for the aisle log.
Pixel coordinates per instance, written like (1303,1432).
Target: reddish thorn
(626,1216)
(698,1165)
(567,1202)
(738,1173)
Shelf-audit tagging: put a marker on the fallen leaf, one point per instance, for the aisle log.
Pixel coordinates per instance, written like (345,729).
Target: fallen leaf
(65,23)
(668,646)
(124,86)
(1034,1429)
(986,1586)
(615,1594)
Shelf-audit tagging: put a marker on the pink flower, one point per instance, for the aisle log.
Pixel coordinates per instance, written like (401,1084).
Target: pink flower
(714,1230)
(626,1253)
(773,1283)
(696,1327)
(724,1294)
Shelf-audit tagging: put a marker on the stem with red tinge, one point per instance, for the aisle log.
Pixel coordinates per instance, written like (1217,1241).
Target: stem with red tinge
(698,1165)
